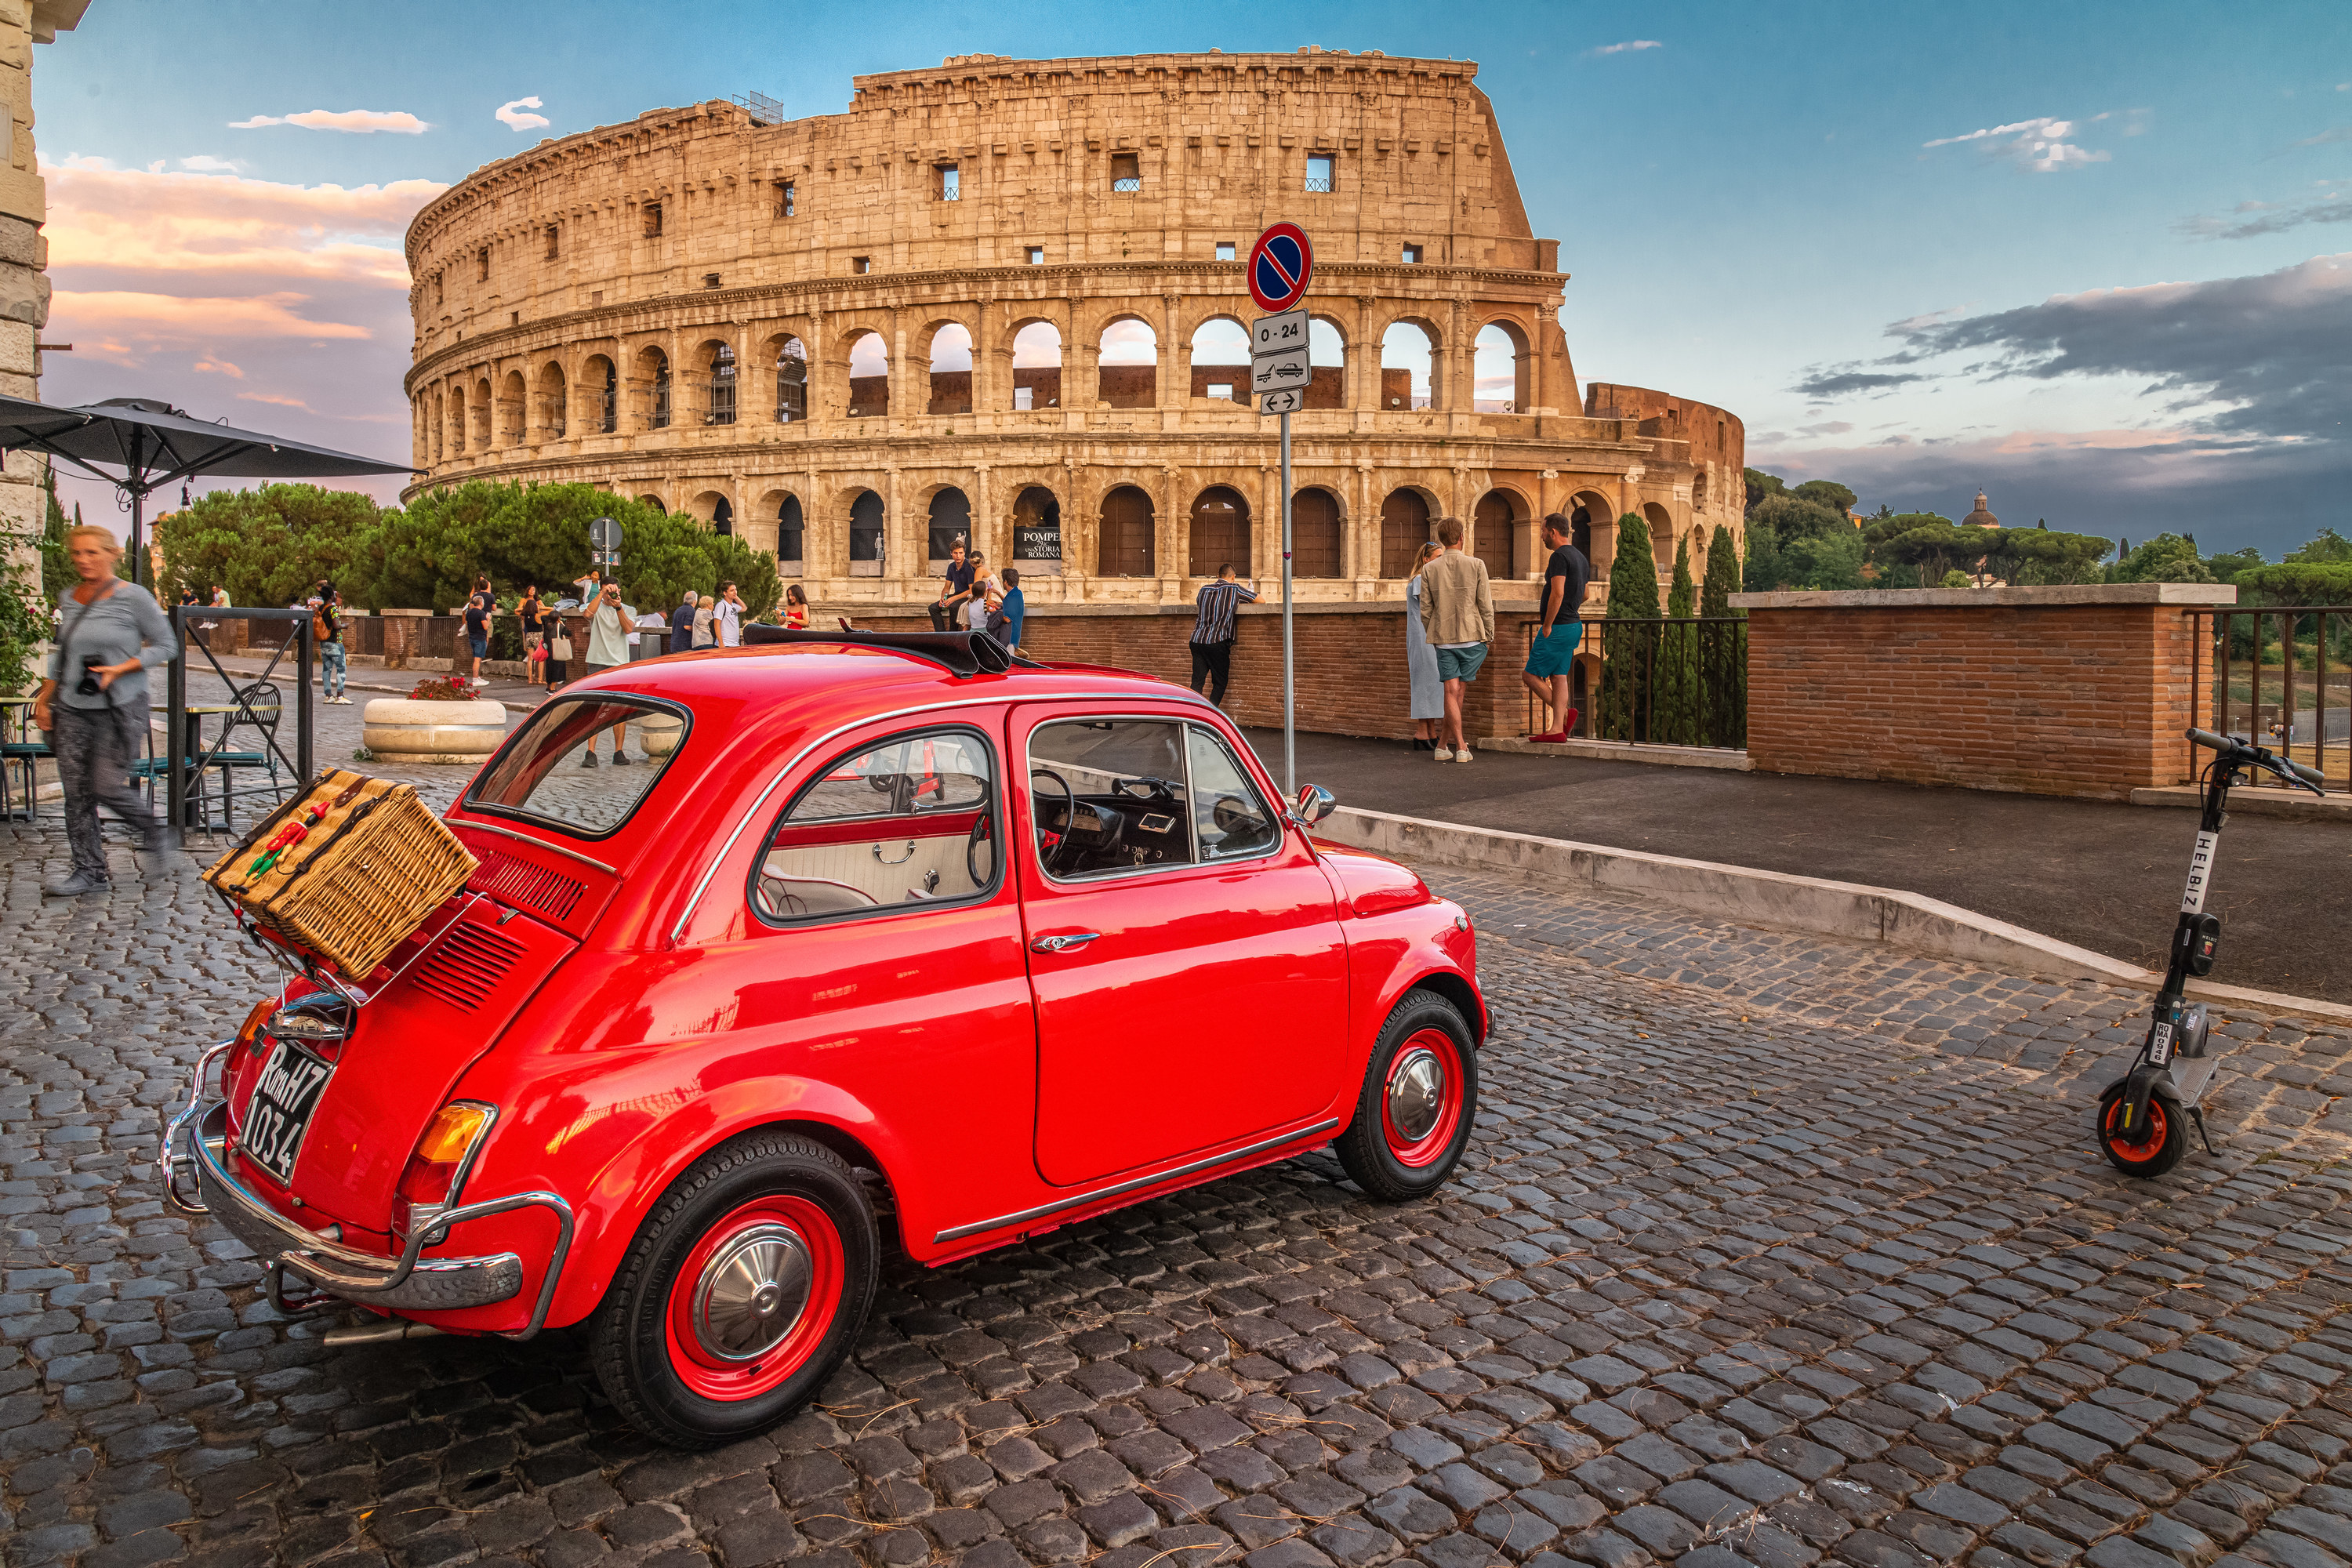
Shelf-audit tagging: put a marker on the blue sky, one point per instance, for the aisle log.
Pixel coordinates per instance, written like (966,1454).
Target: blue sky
(2137,319)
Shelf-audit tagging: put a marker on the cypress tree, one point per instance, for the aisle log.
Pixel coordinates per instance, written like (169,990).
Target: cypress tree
(1723,671)
(1629,655)
(1675,721)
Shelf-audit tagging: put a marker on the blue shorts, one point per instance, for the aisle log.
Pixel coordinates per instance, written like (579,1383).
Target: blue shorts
(1556,654)
(481,646)
(1461,663)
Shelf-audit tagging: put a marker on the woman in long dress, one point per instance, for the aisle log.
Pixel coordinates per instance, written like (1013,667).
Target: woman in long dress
(1421,659)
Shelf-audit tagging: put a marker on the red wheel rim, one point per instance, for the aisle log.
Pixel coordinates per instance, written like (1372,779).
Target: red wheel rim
(1421,1102)
(2157,1128)
(754,1298)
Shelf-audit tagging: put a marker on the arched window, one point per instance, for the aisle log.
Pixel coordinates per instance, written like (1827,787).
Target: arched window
(722,517)
(1586,511)
(1220,532)
(1326,363)
(1125,537)
(1037,367)
(1038,532)
(552,420)
(1221,357)
(950,524)
(1499,369)
(1130,366)
(951,370)
(1405,529)
(1314,535)
(1404,368)
(651,388)
(792,535)
(870,376)
(791,382)
(513,406)
(718,405)
(457,419)
(1495,535)
(865,535)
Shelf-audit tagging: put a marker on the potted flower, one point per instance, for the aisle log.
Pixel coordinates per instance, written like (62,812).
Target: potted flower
(445,719)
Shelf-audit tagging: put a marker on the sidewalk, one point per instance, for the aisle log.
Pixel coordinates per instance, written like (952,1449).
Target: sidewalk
(2103,877)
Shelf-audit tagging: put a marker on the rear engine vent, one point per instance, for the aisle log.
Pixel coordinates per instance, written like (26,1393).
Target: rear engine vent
(466,967)
(551,893)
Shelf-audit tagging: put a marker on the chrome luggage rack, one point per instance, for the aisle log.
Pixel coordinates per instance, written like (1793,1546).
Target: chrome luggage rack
(296,964)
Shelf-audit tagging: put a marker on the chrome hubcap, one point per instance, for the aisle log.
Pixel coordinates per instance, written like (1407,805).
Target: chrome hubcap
(752,1293)
(1416,1094)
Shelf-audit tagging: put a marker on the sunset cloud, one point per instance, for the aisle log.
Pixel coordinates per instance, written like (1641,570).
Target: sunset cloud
(358,121)
(193,319)
(139,220)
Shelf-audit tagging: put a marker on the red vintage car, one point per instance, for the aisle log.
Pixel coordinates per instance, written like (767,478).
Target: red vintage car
(874,935)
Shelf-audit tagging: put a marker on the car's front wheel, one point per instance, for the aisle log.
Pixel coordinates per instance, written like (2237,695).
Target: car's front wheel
(744,1288)
(1420,1091)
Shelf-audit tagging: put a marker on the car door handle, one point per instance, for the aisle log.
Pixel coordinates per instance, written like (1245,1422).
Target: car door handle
(1064,942)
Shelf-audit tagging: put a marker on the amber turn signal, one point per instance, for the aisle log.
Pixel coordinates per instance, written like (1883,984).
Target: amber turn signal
(443,1153)
(263,1011)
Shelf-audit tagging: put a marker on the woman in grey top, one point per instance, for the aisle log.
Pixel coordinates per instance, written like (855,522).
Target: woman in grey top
(1421,659)
(94,702)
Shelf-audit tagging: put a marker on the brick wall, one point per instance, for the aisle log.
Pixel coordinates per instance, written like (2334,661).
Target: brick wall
(2073,691)
(1348,659)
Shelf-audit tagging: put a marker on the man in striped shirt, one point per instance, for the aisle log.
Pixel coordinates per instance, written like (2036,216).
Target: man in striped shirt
(1212,631)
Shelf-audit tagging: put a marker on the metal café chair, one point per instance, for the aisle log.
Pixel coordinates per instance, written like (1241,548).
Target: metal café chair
(259,707)
(20,756)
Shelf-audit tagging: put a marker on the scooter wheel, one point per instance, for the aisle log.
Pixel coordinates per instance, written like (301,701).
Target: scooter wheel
(2148,1151)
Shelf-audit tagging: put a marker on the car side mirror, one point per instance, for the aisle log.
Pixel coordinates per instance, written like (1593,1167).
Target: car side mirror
(1315,804)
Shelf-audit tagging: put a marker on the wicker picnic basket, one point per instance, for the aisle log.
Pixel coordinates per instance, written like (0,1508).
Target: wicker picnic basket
(345,870)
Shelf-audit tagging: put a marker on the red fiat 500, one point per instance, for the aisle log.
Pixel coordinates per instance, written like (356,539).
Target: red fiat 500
(863,932)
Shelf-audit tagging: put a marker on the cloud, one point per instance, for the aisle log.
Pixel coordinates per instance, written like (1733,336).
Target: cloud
(160,318)
(2333,133)
(2036,145)
(1630,46)
(2275,219)
(272,397)
(1846,382)
(508,117)
(218,367)
(206,164)
(137,220)
(359,121)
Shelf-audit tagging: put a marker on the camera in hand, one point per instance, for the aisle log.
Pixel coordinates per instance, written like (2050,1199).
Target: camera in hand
(89,685)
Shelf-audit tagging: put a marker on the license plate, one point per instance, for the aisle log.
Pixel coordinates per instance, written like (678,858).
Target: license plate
(280,1112)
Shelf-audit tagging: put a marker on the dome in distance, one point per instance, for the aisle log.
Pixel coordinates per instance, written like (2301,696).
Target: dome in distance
(1981,518)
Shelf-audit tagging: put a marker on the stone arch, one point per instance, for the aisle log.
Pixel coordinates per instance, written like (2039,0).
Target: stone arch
(1126,373)
(1218,531)
(787,359)
(1661,536)
(1036,531)
(1410,362)
(1590,522)
(949,347)
(868,522)
(947,511)
(1407,514)
(458,418)
(484,413)
(649,387)
(1037,347)
(1218,351)
(1500,364)
(1498,532)
(791,531)
(655,502)
(712,507)
(1318,533)
(440,412)
(717,381)
(600,391)
(867,354)
(1124,541)
(1326,363)
(551,403)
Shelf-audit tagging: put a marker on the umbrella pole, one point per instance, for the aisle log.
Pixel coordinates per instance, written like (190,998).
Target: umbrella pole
(138,546)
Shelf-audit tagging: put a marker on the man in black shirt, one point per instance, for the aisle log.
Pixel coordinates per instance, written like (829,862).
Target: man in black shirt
(1551,650)
(479,607)
(958,588)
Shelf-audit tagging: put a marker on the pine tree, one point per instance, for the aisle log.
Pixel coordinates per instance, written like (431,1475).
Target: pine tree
(1629,652)
(1674,719)
(56,572)
(1723,667)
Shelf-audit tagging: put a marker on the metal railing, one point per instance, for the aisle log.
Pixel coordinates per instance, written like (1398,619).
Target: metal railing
(719,401)
(2282,674)
(1665,681)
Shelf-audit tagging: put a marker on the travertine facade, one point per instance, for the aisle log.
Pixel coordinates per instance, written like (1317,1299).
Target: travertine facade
(24,253)
(674,309)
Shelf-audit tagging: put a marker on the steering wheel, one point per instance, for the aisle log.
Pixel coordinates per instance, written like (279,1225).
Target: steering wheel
(980,835)
(1069,819)
(1162,789)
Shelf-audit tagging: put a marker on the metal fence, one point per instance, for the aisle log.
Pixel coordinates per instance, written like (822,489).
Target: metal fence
(1669,681)
(2282,674)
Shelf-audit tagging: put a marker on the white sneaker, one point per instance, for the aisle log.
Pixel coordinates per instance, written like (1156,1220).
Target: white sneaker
(1463,756)
(1445,754)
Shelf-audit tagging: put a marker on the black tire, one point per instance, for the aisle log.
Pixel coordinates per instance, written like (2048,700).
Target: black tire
(2165,1136)
(661,1363)
(1389,1159)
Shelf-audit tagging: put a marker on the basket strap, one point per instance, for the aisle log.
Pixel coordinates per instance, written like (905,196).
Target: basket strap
(358,813)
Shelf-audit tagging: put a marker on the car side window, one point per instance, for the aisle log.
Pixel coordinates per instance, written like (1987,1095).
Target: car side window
(1108,797)
(911,821)
(1230,818)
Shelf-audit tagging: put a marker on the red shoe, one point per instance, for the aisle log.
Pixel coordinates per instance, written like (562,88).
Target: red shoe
(1552,740)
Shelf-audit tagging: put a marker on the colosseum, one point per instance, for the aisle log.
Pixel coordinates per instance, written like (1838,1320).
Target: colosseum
(1005,298)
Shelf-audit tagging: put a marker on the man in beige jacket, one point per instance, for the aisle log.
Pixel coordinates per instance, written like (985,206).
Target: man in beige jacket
(1457,616)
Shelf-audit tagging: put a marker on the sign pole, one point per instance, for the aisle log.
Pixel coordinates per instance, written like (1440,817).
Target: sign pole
(1289,685)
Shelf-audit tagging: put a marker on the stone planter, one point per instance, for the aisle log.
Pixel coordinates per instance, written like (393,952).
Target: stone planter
(659,734)
(462,733)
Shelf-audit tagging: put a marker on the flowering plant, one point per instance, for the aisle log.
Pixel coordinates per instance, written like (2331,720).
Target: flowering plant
(445,689)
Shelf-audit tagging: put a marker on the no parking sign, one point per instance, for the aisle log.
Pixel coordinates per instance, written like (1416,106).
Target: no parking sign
(1278,265)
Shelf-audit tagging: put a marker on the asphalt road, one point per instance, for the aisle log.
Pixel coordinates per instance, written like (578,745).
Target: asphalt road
(2103,877)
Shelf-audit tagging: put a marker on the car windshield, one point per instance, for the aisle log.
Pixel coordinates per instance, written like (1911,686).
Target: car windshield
(555,770)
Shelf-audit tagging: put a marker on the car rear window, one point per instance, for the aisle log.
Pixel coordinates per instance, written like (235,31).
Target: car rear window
(543,775)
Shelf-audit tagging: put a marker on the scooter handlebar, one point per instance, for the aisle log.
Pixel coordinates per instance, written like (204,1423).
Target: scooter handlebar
(2311,776)
(2211,741)
(2240,753)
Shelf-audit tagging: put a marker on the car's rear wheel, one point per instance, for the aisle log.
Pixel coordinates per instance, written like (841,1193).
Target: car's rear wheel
(1413,1114)
(744,1288)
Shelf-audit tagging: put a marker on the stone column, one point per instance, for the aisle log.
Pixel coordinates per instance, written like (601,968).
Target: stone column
(1367,375)
(1167,392)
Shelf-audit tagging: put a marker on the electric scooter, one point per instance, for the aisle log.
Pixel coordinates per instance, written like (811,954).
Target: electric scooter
(2142,1114)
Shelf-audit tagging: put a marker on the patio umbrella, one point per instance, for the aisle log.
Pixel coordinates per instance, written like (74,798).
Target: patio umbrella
(156,445)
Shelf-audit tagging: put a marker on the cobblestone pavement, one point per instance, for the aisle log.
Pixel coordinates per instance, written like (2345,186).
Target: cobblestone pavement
(1769,1250)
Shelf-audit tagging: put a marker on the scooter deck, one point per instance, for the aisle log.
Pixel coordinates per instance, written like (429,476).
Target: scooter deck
(2192,1077)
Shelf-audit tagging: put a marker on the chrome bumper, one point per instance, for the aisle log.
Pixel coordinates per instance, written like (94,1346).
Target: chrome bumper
(409,1283)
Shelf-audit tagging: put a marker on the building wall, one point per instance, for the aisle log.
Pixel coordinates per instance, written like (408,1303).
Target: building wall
(24,253)
(635,254)
(2074,691)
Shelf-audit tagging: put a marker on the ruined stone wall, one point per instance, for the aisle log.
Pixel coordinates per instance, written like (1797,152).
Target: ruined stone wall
(671,307)
(24,256)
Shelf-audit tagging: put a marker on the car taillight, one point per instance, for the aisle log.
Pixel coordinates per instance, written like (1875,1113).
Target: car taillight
(255,1022)
(429,1183)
